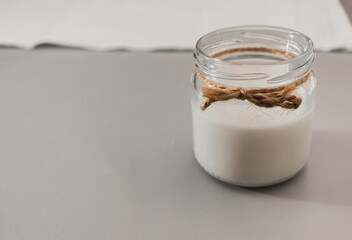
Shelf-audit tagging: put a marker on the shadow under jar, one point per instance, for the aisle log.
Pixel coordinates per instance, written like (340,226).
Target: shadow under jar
(253,97)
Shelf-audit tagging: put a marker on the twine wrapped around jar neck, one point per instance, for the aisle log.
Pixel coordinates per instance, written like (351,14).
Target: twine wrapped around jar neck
(281,96)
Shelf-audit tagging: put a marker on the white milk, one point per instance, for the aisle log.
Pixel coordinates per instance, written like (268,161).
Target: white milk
(246,145)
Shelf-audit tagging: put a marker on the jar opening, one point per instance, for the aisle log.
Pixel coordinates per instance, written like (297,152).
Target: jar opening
(265,54)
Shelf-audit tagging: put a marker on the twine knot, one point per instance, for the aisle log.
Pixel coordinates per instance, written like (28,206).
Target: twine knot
(243,94)
(266,97)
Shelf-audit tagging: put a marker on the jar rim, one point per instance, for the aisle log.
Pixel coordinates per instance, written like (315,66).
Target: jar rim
(234,72)
(304,55)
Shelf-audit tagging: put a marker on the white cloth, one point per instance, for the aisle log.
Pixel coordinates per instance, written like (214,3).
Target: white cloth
(158,24)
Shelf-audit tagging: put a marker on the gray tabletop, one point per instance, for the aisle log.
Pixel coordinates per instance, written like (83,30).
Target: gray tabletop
(99,146)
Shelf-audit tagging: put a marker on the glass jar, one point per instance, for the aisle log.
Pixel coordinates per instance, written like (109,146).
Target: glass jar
(253,97)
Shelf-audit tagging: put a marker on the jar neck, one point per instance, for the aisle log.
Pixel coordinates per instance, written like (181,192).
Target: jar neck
(254,56)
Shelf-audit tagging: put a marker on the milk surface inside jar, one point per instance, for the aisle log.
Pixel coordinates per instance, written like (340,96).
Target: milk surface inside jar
(240,142)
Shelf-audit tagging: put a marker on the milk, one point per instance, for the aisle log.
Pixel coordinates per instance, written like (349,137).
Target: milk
(240,143)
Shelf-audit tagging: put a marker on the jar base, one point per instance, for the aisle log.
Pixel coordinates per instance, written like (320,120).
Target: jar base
(241,184)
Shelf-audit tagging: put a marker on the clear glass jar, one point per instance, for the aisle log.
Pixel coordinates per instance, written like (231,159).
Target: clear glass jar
(240,142)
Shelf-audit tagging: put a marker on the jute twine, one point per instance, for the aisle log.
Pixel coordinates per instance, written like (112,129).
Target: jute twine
(265,97)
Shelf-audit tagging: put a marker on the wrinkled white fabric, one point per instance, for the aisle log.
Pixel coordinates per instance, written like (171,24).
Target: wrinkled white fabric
(157,24)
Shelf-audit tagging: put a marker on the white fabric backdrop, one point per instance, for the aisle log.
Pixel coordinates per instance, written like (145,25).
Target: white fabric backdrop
(158,24)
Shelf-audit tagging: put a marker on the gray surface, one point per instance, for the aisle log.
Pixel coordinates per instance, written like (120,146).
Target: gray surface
(98,146)
(347,5)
